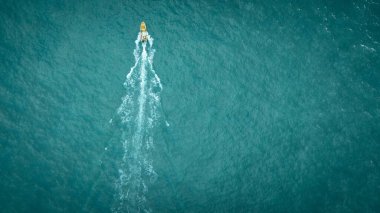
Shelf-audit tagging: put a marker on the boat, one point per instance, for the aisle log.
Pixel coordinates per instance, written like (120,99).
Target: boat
(144,36)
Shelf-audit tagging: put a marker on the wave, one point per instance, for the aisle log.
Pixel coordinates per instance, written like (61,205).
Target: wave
(139,114)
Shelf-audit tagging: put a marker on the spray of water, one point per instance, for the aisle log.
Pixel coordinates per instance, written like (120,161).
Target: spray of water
(139,114)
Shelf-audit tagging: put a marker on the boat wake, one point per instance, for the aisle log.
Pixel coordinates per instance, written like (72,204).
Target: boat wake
(139,114)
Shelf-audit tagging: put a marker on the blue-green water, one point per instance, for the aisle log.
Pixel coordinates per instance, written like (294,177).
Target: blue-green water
(270,106)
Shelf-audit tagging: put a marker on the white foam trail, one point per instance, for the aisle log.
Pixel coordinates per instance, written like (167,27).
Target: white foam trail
(139,113)
(142,98)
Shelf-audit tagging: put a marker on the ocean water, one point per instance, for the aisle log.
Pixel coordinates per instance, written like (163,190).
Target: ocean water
(237,106)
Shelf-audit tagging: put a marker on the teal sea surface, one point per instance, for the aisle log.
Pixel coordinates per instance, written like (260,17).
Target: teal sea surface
(231,106)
